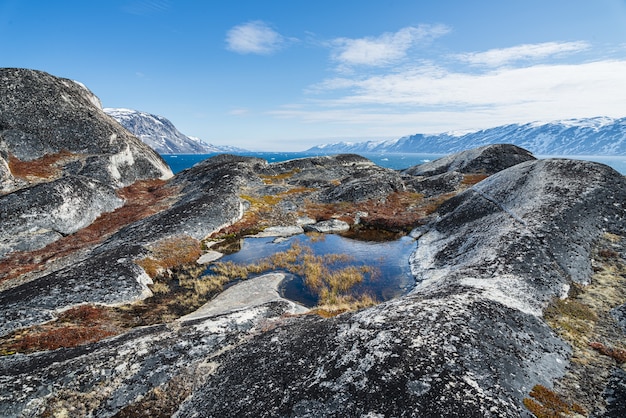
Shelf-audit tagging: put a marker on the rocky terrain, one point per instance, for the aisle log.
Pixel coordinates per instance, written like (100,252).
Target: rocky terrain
(518,307)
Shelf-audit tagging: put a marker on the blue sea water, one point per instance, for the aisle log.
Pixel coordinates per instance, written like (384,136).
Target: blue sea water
(394,161)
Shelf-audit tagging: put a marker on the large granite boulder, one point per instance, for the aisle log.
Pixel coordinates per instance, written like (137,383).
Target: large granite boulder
(61,159)
(488,159)
(45,115)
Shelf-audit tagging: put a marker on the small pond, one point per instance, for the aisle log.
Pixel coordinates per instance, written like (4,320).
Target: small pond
(390,260)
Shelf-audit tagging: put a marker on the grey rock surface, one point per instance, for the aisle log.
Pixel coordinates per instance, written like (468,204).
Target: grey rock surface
(488,159)
(438,184)
(328,227)
(41,114)
(468,340)
(248,294)
(35,216)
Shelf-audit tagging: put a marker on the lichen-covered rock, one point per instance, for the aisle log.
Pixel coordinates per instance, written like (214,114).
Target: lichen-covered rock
(459,356)
(531,227)
(329,226)
(41,114)
(434,185)
(35,216)
(488,159)
(103,378)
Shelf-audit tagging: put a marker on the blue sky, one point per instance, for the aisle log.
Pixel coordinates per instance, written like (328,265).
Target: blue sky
(286,75)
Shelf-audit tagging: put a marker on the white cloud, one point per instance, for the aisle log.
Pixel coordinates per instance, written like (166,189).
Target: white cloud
(254,38)
(434,99)
(384,49)
(503,56)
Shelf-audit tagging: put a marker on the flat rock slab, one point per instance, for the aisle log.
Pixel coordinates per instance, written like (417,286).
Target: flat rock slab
(247,294)
(279,231)
(330,226)
(209,257)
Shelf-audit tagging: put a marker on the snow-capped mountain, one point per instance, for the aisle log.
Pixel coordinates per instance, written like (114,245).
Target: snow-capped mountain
(160,134)
(588,136)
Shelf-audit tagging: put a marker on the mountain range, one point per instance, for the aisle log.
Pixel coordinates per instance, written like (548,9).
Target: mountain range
(586,136)
(161,135)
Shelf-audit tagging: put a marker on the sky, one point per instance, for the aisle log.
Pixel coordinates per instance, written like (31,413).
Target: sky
(285,75)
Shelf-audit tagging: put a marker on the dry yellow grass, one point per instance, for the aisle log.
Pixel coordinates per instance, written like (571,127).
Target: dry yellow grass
(322,274)
(169,253)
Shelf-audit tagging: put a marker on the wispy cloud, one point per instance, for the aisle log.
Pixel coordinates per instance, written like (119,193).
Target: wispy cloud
(385,49)
(255,37)
(436,99)
(504,56)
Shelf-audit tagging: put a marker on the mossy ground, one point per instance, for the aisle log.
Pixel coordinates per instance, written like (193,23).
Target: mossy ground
(598,345)
(179,287)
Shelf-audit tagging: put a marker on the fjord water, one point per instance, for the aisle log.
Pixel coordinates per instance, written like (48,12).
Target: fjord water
(394,161)
(389,160)
(389,259)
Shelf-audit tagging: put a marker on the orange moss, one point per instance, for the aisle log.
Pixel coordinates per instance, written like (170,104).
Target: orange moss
(45,167)
(471,179)
(398,211)
(76,326)
(545,403)
(279,178)
(60,337)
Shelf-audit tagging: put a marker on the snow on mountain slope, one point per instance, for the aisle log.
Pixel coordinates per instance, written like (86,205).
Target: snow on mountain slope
(160,134)
(587,136)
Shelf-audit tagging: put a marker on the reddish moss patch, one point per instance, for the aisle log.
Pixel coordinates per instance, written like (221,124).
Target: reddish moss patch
(81,325)
(397,212)
(471,179)
(618,354)
(46,167)
(545,403)
(143,198)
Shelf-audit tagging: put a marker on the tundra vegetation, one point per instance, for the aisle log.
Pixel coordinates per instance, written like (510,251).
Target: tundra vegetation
(178,284)
(584,319)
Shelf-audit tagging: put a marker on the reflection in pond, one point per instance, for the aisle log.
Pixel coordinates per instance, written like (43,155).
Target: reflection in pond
(384,265)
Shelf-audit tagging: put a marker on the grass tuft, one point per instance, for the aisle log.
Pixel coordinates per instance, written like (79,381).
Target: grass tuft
(171,252)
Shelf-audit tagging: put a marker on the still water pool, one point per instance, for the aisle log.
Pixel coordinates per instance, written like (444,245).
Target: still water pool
(390,260)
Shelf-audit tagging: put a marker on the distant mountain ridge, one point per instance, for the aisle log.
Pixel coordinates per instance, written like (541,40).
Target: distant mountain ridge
(585,136)
(161,134)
